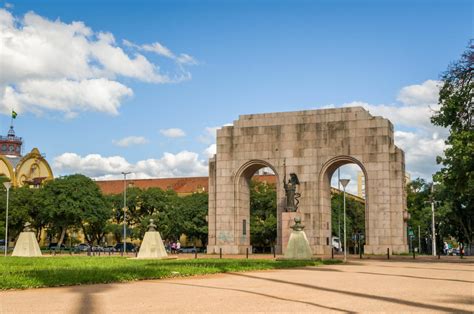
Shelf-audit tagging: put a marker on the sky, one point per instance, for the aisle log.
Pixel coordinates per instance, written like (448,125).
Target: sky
(102,87)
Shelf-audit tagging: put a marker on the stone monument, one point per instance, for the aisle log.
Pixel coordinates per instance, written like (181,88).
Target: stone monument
(27,246)
(313,144)
(152,244)
(298,245)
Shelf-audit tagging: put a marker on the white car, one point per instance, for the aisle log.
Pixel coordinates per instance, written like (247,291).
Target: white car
(336,244)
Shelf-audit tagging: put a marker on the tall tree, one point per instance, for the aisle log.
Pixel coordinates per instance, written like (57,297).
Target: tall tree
(76,201)
(456,113)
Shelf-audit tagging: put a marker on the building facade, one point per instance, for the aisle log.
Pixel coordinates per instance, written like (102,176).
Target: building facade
(30,170)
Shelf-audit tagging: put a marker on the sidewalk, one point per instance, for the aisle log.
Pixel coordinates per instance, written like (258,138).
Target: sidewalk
(359,286)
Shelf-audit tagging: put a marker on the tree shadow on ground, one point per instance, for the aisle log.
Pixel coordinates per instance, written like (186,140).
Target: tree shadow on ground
(359,295)
(88,301)
(264,295)
(430,268)
(389,275)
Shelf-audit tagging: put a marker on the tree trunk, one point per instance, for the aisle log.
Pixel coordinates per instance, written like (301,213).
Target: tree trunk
(61,238)
(89,239)
(38,234)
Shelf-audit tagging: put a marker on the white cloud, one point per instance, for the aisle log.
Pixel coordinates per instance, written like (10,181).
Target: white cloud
(159,49)
(173,132)
(210,133)
(182,164)
(67,67)
(210,151)
(423,94)
(130,140)
(420,152)
(424,141)
(163,51)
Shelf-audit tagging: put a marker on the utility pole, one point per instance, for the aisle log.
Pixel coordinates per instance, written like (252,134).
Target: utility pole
(344,183)
(419,239)
(339,212)
(125,211)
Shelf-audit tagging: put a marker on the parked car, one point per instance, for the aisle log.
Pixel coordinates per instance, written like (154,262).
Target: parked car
(2,245)
(54,246)
(336,244)
(188,249)
(97,248)
(109,248)
(83,247)
(130,247)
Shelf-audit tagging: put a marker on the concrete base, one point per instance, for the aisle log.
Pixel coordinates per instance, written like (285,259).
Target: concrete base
(229,249)
(287,220)
(27,246)
(298,247)
(382,249)
(152,246)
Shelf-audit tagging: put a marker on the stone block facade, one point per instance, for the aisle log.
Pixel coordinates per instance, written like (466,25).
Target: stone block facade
(312,144)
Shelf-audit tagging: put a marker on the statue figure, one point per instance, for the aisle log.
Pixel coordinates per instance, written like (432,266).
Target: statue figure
(151,226)
(290,191)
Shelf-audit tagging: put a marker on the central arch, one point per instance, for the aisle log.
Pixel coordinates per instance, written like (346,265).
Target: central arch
(242,180)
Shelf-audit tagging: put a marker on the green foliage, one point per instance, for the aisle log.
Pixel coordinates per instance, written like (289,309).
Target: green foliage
(263,209)
(355,216)
(76,201)
(456,113)
(23,273)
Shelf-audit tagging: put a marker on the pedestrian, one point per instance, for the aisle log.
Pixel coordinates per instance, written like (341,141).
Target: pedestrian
(178,247)
(173,247)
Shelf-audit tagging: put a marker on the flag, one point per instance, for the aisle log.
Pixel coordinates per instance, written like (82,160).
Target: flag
(14,114)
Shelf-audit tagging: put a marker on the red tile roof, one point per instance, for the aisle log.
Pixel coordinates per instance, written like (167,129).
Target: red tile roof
(182,186)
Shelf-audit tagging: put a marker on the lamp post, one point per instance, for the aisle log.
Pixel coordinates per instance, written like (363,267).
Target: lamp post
(125,211)
(433,220)
(7,186)
(344,183)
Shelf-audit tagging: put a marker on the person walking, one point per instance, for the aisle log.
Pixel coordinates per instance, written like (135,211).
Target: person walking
(178,247)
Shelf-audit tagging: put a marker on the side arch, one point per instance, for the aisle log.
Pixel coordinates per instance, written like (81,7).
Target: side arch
(241,182)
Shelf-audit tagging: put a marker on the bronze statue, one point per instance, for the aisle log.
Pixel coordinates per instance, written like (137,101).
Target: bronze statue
(292,197)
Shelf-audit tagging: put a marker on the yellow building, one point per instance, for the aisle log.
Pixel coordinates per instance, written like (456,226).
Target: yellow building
(31,169)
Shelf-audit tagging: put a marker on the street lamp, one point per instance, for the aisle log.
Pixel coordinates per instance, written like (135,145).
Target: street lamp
(344,183)
(7,186)
(433,228)
(125,211)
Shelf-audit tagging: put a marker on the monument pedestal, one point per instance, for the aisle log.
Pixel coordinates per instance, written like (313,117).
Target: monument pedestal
(27,246)
(298,247)
(152,244)
(287,220)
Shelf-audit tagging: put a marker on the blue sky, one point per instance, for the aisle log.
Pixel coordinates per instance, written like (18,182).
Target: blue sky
(244,57)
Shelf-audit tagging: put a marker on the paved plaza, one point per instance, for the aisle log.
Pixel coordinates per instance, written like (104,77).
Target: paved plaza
(360,286)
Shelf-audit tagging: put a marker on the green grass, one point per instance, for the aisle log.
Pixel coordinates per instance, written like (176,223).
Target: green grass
(22,273)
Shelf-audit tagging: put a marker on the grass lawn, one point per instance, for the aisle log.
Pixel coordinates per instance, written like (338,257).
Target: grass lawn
(22,273)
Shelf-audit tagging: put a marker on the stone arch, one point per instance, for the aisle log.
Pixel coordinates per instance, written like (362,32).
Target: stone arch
(242,202)
(325,175)
(312,144)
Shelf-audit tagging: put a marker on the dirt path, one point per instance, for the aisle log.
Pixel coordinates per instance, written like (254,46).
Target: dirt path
(367,286)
